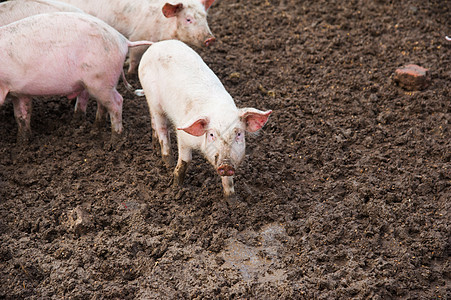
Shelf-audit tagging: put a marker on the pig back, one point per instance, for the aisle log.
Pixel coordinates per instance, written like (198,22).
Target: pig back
(184,85)
(181,68)
(11,11)
(58,48)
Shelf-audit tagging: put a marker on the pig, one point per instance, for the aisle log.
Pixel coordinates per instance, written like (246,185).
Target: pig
(153,20)
(15,10)
(181,89)
(62,54)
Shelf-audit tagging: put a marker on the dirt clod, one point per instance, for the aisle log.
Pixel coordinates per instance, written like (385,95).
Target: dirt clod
(79,221)
(412,77)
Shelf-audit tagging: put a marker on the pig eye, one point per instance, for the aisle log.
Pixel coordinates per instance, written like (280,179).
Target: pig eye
(239,136)
(211,137)
(188,20)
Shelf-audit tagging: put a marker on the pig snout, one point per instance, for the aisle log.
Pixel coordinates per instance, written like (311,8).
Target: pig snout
(209,41)
(226,170)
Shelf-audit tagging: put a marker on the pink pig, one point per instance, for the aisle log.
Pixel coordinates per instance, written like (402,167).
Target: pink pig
(153,20)
(182,89)
(11,11)
(62,54)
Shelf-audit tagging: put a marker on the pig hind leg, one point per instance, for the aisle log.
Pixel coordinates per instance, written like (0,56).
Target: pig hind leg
(185,157)
(22,113)
(3,92)
(135,55)
(109,100)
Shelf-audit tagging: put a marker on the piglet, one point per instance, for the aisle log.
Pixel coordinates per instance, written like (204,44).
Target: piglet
(62,54)
(181,89)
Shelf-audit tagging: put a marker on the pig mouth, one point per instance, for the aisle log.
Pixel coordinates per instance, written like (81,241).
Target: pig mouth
(226,170)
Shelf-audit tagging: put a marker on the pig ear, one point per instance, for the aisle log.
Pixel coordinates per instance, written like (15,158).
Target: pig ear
(196,128)
(254,119)
(171,10)
(207,3)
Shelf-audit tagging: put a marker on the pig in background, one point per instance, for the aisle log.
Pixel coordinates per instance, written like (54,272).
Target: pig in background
(14,10)
(153,20)
(180,88)
(62,54)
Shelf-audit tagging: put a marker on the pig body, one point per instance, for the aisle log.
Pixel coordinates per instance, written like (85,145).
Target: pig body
(62,54)
(14,10)
(153,20)
(181,89)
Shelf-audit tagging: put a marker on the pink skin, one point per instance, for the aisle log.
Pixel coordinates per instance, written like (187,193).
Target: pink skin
(62,54)
(12,11)
(253,122)
(153,20)
(181,89)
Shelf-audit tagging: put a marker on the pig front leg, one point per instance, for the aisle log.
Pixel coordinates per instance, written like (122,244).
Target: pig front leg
(3,92)
(227,184)
(161,133)
(185,157)
(22,113)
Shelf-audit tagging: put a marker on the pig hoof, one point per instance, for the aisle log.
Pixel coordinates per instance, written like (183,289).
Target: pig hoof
(155,144)
(230,197)
(232,202)
(99,125)
(79,118)
(23,138)
(178,180)
(168,161)
(116,142)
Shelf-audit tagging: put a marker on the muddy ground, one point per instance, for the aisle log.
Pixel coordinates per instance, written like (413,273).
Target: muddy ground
(345,193)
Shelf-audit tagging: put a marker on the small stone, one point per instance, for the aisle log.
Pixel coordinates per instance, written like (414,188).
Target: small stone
(235,75)
(79,221)
(412,77)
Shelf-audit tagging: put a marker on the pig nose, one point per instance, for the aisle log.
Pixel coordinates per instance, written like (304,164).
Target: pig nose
(209,41)
(226,170)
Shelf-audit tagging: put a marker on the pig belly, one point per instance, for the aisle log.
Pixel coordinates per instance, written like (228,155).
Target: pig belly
(46,83)
(44,89)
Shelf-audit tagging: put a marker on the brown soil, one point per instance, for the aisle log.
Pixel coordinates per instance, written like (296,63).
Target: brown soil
(344,194)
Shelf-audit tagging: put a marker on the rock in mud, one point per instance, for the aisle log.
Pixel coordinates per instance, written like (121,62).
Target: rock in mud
(412,77)
(79,221)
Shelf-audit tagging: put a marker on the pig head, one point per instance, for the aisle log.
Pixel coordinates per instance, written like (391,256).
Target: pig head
(190,21)
(223,138)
